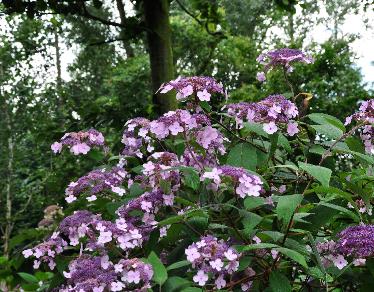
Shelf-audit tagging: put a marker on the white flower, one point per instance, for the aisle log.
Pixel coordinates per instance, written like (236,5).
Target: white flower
(230,255)
(220,282)
(203,95)
(27,253)
(118,191)
(216,264)
(201,278)
(192,254)
(270,128)
(91,198)
(339,261)
(70,199)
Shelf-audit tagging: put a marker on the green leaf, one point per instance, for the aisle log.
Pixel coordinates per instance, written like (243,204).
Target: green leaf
(165,186)
(176,284)
(283,141)
(253,202)
(320,173)
(341,209)
(286,207)
(328,130)
(171,220)
(250,221)
(191,178)
(192,289)
(160,274)
(294,255)
(178,265)
(279,282)
(255,128)
(256,246)
(28,277)
(112,207)
(273,144)
(243,155)
(136,190)
(42,276)
(323,119)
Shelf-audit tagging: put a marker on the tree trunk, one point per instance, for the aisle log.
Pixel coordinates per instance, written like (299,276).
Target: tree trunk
(58,59)
(156,14)
(122,15)
(8,187)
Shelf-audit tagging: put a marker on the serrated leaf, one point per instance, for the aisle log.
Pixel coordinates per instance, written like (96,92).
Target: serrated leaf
(160,274)
(286,207)
(250,221)
(191,178)
(323,119)
(341,209)
(192,289)
(253,202)
(320,173)
(328,130)
(136,190)
(175,284)
(279,282)
(256,128)
(28,278)
(171,220)
(256,246)
(243,155)
(178,265)
(294,255)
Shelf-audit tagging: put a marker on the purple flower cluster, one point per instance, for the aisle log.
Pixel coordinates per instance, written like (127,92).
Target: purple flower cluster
(159,169)
(148,204)
(98,274)
(212,258)
(95,182)
(80,142)
(192,125)
(47,251)
(272,111)
(357,241)
(365,115)
(136,139)
(193,159)
(175,122)
(362,207)
(330,255)
(281,58)
(96,233)
(202,86)
(89,273)
(245,183)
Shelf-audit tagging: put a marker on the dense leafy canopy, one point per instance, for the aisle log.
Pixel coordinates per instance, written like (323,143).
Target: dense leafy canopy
(110,83)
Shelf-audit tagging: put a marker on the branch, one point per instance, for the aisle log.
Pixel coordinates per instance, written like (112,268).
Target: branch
(205,25)
(99,19)
(106,42)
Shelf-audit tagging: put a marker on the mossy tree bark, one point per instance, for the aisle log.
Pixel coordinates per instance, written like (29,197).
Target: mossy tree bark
(156,14)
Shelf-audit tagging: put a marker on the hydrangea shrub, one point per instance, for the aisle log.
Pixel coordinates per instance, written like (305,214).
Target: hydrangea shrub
(250,197)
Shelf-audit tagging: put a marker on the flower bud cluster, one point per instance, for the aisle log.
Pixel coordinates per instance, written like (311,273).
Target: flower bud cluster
(95,182)
(202,86)
(281,58)
(246,184)
(212,258)
(98,274)
(271,112)
(136,138)
(80,142)
(365,115)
